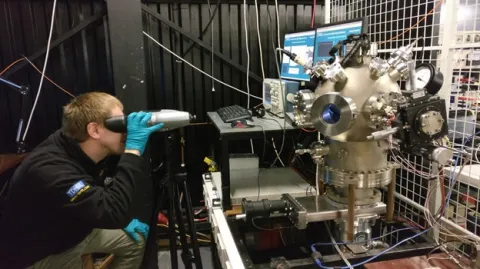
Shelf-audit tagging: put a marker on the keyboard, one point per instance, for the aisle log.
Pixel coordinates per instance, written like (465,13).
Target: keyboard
(232,113)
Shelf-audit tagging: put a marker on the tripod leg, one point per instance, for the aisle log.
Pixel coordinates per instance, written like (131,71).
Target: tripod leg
(186,255)
(191,225)
(171,226)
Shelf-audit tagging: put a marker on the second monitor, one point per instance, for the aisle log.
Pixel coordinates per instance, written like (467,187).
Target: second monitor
(329,35)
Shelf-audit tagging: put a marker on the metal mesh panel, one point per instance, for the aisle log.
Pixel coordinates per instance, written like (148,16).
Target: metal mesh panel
(463,57)
(388,22)
(395,23)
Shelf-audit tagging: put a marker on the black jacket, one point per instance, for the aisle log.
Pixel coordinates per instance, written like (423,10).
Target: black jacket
(55,200)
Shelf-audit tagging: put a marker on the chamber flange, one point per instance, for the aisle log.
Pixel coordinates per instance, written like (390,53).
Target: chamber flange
(361,179)
(333,114)
(367,200)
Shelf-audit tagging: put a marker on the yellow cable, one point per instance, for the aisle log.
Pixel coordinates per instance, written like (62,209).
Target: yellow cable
(199,239)
(439,3)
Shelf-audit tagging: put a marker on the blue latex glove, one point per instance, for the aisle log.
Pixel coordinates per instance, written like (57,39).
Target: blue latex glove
(136,227)
(138,132)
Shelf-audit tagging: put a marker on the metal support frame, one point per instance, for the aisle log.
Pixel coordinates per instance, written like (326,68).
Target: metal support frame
(391,196)
(57,42)
(231,2)
(436,199)
(328,6)
(351,212)
(450,27)
(127,50)
(125,26)
(202,44)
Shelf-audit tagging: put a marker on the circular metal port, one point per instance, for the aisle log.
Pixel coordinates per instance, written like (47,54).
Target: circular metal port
(333,114)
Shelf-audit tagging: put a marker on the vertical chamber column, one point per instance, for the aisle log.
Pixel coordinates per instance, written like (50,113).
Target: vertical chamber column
(354,167)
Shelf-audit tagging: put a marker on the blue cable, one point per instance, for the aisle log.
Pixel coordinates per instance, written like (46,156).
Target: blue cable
(361,242)
(11,83)
(319,263)
(470,138)
(452,182)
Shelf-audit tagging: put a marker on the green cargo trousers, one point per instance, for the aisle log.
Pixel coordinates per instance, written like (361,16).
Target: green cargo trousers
(128,253)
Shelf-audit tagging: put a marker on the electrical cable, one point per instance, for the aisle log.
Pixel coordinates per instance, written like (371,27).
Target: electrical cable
(39,71)
(274,146)
(248,60)
(364,242)
(44,70)
(11,65)
(282,87)
(269,229)
(276,152)
(248,51)
(435,258)
(51,81)
(314,10)
(470,138)
(272,36)
(433,220)
(476,153)
(198,69)
(278,30)
(441,245)
(200,240)
(415,25)
(11,84)
(211,17)
(336,246)
(187,51)
(279,124)
(259,39)
(261,160)
(319,263)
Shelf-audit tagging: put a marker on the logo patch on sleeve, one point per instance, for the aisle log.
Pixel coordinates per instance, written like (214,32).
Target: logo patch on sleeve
(77,189)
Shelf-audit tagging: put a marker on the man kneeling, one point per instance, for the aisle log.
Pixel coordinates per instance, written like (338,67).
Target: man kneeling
(58,207)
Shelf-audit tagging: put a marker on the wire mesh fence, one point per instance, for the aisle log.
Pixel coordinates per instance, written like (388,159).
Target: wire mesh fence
(455,51)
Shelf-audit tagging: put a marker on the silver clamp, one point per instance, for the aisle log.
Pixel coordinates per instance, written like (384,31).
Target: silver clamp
(378,67)
(319,69)
(335,73)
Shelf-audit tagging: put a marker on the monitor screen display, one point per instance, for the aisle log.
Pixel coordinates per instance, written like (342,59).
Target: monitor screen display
(303,45)
(329,35)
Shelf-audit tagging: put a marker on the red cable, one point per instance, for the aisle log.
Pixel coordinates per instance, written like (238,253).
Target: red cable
(309,131)
(313,13)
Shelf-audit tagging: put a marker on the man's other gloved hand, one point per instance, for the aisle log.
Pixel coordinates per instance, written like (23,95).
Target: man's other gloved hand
(135,227)
(138,132)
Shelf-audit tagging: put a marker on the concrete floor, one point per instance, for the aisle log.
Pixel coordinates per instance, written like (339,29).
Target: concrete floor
(164,259)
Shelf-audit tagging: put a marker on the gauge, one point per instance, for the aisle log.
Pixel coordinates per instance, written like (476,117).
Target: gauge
(422,77)
(427,77)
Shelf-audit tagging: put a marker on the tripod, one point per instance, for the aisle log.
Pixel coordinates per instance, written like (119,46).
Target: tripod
(175,182)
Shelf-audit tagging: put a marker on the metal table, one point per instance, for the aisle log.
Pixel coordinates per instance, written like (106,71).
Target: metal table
(227,133)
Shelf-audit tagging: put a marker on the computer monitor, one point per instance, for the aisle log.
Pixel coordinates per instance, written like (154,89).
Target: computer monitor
(302,44)
(329,35)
